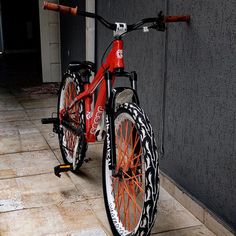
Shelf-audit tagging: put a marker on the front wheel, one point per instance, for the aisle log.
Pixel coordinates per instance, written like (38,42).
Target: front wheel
(131,190)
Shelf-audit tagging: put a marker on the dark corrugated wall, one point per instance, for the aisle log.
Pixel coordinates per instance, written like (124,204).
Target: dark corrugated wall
(72,35)
(200,91)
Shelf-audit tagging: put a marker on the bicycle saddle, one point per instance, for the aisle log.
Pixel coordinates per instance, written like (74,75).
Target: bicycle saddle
(77,65)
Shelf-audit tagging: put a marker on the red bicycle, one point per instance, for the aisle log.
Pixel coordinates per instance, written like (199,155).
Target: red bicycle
(130,160)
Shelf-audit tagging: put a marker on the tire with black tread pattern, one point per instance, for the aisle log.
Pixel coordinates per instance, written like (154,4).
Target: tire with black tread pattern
(131,192)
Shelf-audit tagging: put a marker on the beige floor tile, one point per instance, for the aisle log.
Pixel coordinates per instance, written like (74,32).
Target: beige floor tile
(21,96)
(167,204)
(18,136)
(15,125)
(22,140)
(89,182)
(97,231)
(57,153)
(43,128)
(26,163)
(172,215)
(6,116)
(37,114)
(36,191)
(216,226)
(33,141)
(166,183)
(192,231)
(66,219)
(9,104)
(98,208)
(51,139)
(39,103)
(93,156)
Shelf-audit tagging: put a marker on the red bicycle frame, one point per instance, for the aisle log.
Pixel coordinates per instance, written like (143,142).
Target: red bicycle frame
(113,61)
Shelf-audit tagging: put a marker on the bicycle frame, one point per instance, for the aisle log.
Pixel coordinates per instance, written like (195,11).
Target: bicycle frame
(113,62)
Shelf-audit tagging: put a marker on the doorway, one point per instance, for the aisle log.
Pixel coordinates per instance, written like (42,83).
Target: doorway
(1,35)
(20,40)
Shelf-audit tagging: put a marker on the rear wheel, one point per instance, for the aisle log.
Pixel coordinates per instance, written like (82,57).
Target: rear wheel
(131,191)
(72,146)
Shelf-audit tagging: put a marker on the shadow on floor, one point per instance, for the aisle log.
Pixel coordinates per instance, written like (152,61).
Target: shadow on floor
(22,73)
(20,70)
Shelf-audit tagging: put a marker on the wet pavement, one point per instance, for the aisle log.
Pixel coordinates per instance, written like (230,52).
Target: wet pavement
(33,201)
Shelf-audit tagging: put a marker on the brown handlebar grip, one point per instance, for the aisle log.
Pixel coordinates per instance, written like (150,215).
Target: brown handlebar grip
(177,19)
(60,8)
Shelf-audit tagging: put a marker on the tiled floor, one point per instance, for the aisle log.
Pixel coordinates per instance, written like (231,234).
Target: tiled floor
(35,202)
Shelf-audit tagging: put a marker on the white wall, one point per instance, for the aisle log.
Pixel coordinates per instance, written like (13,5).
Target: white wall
(90,31)
(50,44)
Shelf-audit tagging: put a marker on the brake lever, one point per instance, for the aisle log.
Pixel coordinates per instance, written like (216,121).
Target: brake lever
(159,25)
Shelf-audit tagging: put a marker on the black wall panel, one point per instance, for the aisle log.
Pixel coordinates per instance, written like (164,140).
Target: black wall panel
(72,34)
(201,105)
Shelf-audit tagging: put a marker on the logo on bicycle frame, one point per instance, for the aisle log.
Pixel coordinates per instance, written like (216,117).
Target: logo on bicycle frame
(119,54)
(88,115)
(97,119)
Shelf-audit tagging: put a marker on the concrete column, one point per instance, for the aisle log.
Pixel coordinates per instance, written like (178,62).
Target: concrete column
(50,44)
(90,32)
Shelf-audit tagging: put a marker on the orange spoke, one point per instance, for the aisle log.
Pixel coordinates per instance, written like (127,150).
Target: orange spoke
(117,199)
(132,177)
(123,200)
(131,197)
(138,164)
(130,136)
(140,154)
(119,196)
(126,134)
(136,182)
(135,157)
(130,159)
(119,149)
(134,203)
(120,203)
(134,208)
(120,160)
(114,182)
(127,213)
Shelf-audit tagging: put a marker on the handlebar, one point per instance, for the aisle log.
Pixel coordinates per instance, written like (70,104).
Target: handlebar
(60,8)
(74,11)
(158,22)
(168,19)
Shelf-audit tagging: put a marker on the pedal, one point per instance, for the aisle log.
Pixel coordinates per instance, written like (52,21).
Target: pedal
(62,168)
(54,121)
(50,120)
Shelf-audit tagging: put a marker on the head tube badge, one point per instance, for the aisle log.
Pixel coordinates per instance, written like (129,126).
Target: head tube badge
(119,53)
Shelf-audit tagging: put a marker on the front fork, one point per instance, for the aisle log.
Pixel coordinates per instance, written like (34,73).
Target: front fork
(110,110)
(110,126)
